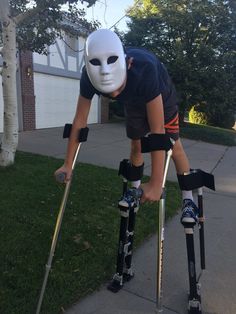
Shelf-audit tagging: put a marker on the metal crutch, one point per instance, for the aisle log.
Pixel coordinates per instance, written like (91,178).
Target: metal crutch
(160,240)
(83,133)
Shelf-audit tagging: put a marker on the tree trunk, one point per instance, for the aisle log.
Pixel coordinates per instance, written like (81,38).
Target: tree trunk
(10,131)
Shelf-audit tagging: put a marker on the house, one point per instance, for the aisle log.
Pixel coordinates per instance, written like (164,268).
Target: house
(48,85)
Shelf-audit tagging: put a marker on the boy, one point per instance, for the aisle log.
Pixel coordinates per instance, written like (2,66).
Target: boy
(137,79)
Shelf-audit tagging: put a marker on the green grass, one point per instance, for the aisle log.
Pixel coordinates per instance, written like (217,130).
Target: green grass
(200,132)
(86,252)
(208,134)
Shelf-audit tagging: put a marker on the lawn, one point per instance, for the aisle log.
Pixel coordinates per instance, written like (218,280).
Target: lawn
(208,134)
(200,132)
(86,252)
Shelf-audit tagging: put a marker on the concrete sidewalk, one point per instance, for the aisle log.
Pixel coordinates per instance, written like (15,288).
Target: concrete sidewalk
(107,146)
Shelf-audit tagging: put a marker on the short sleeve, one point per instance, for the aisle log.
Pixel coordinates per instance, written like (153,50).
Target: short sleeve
(151,85)
(86,88)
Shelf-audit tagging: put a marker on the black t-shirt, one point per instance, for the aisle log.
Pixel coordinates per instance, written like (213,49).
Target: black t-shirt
(146,79)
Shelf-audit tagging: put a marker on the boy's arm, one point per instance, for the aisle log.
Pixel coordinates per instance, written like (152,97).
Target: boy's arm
(155,114)
(80,121)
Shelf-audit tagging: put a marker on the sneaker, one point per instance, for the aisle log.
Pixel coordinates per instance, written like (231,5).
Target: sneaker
(190,212)
(130,198)
(126,201)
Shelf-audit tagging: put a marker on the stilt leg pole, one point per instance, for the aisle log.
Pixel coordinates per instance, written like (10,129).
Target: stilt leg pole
(160,240)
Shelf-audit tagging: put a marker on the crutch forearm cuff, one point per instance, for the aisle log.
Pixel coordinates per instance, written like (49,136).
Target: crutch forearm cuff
(196,179)
(67,130)
(155,141)
(82,133)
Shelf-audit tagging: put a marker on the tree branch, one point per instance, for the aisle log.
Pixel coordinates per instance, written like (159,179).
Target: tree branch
(4,9)
(20,18)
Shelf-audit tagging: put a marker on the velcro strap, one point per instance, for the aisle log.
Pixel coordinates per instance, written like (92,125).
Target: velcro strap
(129,171)
(82,134)
(196,179)
(155,141)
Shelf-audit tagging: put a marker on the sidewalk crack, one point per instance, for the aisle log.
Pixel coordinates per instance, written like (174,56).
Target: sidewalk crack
(220,159)
(150,300)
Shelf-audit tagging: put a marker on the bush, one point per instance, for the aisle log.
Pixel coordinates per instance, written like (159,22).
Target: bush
(198,115)
(218,116)
(224,119)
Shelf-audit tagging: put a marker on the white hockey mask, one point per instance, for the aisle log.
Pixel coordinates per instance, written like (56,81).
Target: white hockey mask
(105,60)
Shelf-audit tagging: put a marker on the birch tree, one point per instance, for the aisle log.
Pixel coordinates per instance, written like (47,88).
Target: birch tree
(8,52)
(16,20)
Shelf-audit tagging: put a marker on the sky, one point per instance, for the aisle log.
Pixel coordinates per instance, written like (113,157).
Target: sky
(108,12)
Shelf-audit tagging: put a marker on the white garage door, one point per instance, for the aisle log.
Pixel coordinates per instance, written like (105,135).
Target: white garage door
(56,99)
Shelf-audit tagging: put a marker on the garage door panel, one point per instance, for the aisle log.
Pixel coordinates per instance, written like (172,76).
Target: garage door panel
(56,99)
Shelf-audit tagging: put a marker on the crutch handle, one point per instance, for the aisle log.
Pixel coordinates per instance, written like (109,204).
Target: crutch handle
(60,177)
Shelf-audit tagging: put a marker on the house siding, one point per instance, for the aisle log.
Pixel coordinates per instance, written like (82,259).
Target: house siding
(48,87)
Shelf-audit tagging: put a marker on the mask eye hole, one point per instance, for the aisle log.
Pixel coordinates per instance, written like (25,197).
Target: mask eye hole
(112,59)
(95,62)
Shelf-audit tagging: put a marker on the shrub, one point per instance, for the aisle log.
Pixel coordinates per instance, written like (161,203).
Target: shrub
(198,115)
(221,119)
(218,116)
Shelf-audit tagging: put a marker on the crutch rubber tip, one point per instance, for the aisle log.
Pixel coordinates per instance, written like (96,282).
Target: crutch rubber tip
(60,177)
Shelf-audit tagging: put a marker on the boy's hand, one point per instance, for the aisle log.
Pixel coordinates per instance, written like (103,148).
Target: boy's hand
(63,174)
(151,192)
